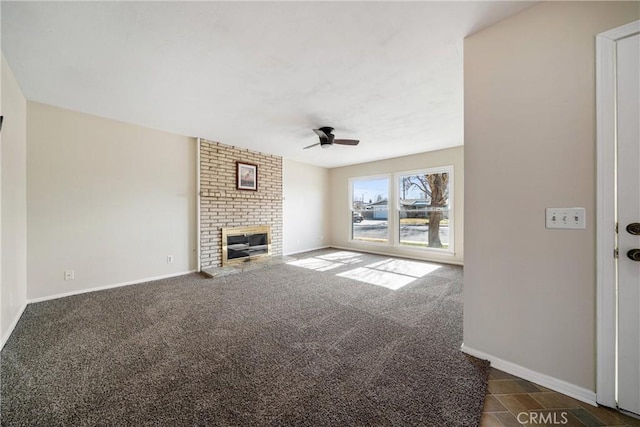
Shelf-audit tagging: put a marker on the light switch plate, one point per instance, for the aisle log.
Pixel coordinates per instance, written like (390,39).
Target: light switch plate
(568,218)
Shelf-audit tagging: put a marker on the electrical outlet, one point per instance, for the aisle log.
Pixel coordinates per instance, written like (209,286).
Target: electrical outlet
(569,218)
(169,259)
(69,275)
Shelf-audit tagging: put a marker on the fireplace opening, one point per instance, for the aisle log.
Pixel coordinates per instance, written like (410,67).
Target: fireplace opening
(240,244)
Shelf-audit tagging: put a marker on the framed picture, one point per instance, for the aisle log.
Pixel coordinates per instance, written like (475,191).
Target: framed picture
(246,176)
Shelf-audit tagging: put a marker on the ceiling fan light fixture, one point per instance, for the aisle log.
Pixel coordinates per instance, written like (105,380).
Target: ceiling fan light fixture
(327,139)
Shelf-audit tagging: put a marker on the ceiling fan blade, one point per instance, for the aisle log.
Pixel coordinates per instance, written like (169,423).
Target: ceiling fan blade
(312,145)
(346,141)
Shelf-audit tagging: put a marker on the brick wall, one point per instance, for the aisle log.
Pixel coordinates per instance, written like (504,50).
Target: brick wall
(221,205)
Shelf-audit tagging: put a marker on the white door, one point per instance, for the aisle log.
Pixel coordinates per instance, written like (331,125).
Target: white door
(628,180)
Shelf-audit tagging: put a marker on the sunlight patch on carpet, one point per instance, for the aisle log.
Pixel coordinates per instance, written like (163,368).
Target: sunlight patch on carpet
(329,261)
(385,279)
(389,273)
(344,257)
(408,268)
(315,264)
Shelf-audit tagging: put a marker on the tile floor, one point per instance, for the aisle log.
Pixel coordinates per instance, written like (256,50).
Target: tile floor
(512,401)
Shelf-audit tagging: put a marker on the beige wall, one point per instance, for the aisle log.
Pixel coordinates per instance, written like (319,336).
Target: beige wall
(13,229)
(530,128)
(107,199)
(306,202)
(340,205)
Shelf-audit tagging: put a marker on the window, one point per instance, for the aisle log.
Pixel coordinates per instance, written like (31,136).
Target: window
(425,218)
(417,204)
(370,209)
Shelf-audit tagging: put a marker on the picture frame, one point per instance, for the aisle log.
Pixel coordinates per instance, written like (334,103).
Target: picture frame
(246,176)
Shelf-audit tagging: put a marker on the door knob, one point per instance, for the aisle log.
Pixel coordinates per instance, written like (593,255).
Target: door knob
(634,254)
(634,228)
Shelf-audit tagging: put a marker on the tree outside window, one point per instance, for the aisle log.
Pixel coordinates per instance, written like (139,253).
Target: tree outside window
(423,208)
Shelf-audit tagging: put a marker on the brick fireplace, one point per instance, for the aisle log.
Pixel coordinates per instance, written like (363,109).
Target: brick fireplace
(224,206)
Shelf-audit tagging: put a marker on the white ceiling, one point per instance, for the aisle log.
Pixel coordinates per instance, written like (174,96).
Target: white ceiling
(258,75)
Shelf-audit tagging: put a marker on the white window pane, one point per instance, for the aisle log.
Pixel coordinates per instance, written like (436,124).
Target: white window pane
(423,209)
(370,210)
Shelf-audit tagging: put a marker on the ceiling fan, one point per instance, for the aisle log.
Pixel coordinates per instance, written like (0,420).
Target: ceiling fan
(327,139)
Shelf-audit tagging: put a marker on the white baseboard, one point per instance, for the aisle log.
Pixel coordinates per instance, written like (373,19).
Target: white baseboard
(306,250)
(14,322)
(115,285)
(571,390)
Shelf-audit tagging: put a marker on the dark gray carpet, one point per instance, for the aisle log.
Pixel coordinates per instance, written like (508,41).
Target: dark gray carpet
(280,346)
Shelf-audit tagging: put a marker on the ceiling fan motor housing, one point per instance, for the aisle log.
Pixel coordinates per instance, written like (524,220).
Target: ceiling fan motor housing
(327,141)
(326,129)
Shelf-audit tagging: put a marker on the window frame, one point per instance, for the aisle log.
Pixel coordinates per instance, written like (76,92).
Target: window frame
(390,238)
(450,250)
